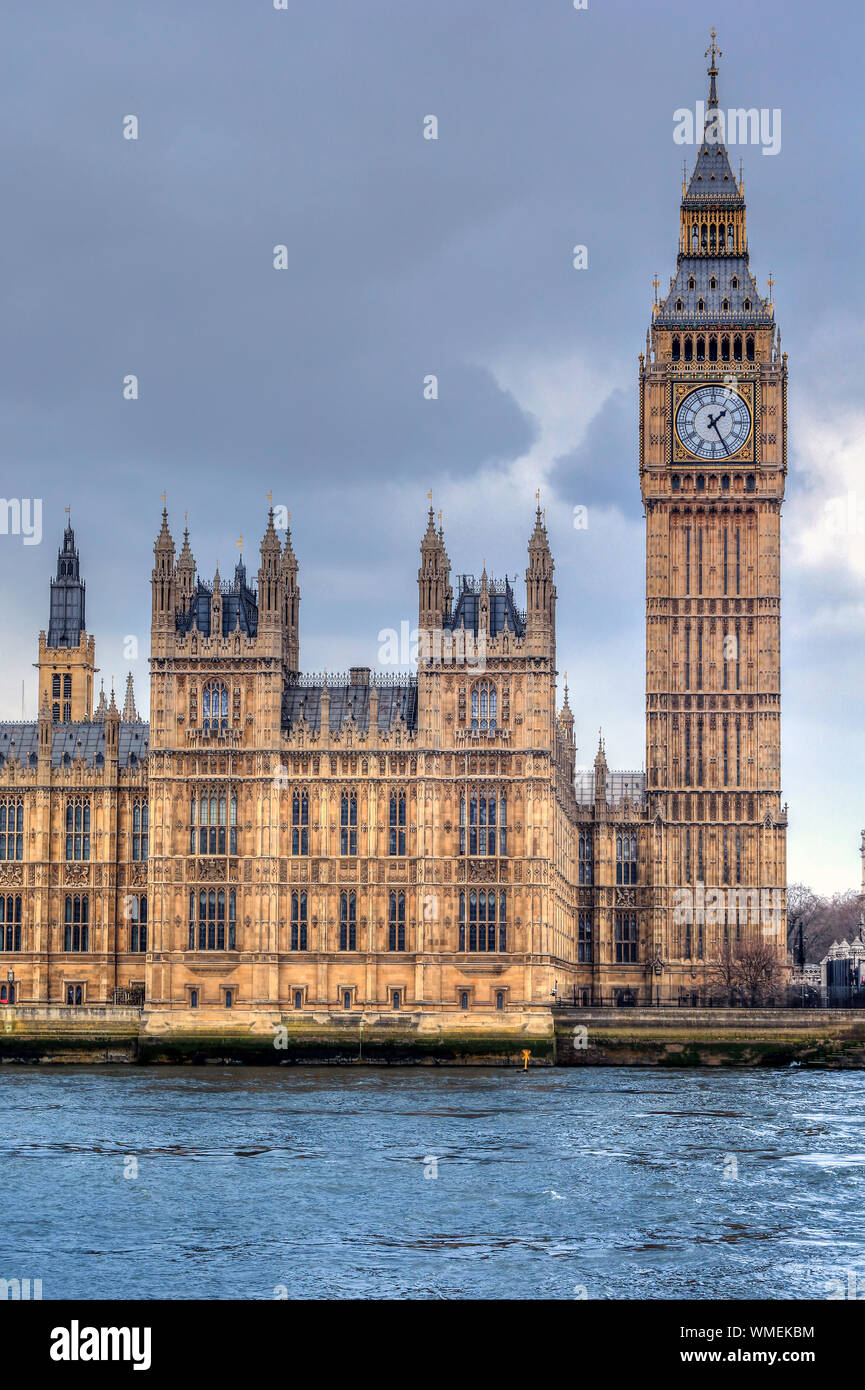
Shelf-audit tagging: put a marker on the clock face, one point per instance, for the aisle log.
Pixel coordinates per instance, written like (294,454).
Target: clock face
(713,422)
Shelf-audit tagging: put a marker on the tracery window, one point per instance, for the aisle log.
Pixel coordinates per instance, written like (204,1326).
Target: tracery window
(10,922)
(586,857)
(626,938)
(483,822)
(300,822)
(348,921)
(77,922)
(584,938)
(12,828)
(212,919)
(138,922)
(348,823)
(140,826)
(484,707)
(397,823)
(214,707)
(298,921)
(626,858)
(213,811)
(483,921)
(78,828)
(396,922)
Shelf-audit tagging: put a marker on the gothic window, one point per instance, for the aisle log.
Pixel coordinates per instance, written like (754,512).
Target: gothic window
(712,236)
(695,238)
(214,707)
(55,687)
(689,348)
(298,999)
(484,707)
(213,811)
(731,237)
(55,714)
(348,922)
(749,347)
(140,825)
(300,822)
(12,829)
(737,348)
(78,828)
(67,687)
(298,921)
(713,283)
(701,304)
(212,919)
(348,823)
(10,923)
(586,857)
(500,999)
(692,284)
(725,305)
(464,999)
(483,921)
(67,712)
(679,305)
(701,349)
(193,999)
(77,921)
(396,922)
(704,237)
(138,922)
(626,858)
(482,813)
(713,349)
(626,938)
(584,939)
(734,283)
(397,823)
(747,304)
(677,348)
(74,994)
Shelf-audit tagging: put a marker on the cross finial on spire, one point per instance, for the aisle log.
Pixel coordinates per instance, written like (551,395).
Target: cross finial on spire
(713,52)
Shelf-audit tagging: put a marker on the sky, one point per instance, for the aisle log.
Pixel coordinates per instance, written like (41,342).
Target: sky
(407,257)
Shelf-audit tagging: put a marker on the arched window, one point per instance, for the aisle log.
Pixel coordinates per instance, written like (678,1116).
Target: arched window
(692,284)
(725,305)
(500,1000)
(67,712)
(67,687)
(348,823)
(725,349)
(704,237)
(77,920)
(701,304)
(464,999)
(10,922)
(701,349)
(482,813)
(214,707)
(193,999)
(55,687)
(212,813)
(348,922)
(626,938)
(346,999)
(731,238)
(298,999)
(396,922)
(713,283)
(138,922)
(677,348)
(584,938)
(689,348)
(229,998)
(55,714)
(679,305)
(78,828)
(397,823)
(586,873)
(737,348)
(734,283)
(12,828)
(212,919)
(483,921)
(396,999)
(300,822)
(484,707)
(626,857)
(713,349)
(140,825)
(712,245)
(747,305)
(298,921)
(749,347)
(695,238)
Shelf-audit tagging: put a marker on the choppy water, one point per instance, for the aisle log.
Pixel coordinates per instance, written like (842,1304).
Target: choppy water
(311,1182)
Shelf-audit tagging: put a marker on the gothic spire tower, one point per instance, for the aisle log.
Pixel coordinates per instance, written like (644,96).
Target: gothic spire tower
(713,427)
(66,654)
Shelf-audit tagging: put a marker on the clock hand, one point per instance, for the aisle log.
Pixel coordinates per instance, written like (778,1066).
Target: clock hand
(718,432)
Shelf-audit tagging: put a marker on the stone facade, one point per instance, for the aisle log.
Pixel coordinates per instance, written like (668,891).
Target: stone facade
(272,841)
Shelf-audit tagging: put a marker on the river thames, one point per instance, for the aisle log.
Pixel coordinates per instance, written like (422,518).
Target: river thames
(254,1183)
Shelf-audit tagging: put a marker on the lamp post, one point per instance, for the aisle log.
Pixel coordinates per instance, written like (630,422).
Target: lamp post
(10,976)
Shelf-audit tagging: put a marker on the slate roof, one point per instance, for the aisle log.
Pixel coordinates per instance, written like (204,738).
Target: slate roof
(73,740)
(504,614)
(350,700)
(239,607)
(66,617)
(713,179)
(724,269)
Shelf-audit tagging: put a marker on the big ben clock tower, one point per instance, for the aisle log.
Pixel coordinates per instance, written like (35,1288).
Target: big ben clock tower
(713,423)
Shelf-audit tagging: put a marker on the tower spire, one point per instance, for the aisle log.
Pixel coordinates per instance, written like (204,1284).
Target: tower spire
(713,52)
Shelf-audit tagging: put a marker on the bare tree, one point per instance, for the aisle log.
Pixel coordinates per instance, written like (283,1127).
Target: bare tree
(751,974)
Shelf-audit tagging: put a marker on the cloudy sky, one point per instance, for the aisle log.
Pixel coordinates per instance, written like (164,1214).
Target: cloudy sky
(303,126)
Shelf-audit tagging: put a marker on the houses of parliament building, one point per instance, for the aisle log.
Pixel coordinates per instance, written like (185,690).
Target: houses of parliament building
(272,841)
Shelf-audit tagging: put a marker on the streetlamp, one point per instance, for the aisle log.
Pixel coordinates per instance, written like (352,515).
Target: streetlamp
(10,976)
